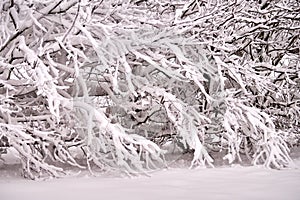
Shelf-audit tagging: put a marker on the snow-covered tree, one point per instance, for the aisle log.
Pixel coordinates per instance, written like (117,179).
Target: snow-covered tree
(117,80)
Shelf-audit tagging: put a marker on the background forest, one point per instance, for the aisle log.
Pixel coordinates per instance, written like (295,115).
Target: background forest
(126,84)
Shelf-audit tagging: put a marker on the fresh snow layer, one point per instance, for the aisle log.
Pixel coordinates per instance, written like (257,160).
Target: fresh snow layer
(230,183)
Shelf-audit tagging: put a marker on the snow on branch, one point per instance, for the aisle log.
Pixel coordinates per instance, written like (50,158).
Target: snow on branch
(118,81)
(253,131)
(128,149)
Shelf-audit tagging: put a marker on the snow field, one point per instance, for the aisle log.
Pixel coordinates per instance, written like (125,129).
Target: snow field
(236,182)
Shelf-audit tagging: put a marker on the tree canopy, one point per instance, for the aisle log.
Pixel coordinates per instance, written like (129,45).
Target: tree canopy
(119,80)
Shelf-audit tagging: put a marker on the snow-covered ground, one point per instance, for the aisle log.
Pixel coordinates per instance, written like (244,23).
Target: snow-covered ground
(218,183)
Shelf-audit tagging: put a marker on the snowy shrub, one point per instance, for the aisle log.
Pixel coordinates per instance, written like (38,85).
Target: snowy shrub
(118,80)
